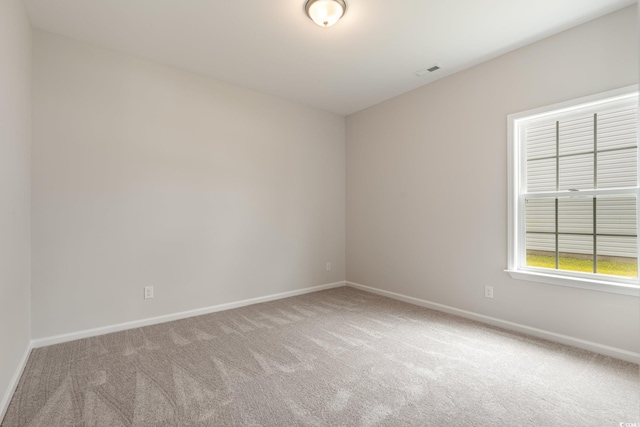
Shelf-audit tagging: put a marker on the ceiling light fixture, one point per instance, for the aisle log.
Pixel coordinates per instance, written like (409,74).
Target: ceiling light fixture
(325,12)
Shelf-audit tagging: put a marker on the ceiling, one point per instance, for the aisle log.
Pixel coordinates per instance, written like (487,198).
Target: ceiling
(273,47)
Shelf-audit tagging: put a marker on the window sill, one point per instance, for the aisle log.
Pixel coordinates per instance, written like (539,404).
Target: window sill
(593,285)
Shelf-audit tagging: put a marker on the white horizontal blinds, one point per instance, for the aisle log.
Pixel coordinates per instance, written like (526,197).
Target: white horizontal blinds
(617,142)
(541,157)
(575,151)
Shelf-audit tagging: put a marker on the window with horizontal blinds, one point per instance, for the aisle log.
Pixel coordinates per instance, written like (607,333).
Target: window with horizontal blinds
(579,189)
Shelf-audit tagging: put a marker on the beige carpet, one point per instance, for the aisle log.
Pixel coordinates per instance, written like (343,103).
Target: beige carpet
(334,358)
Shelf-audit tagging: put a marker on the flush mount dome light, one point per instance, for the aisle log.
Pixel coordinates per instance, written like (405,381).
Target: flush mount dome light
(325,12)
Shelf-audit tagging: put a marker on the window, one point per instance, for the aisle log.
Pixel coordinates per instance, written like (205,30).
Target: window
(573,193)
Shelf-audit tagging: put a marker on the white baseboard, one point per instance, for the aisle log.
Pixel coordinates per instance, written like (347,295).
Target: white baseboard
(617,353)
(8,394)
(57,339)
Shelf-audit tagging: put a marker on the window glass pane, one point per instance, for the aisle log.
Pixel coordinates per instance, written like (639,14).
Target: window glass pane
(576,135)
(617,255)
(575,253)
(540,215)
(616,248)
(575,228)
(617,128)
(541,140)
(541,175)
(618,168)
(541,250)
(576,172)
(540,232)
(575,215)
(617,215)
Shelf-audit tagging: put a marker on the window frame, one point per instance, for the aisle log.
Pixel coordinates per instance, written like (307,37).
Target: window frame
(516,209)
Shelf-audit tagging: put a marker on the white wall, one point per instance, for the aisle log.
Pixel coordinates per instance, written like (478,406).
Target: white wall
(15,193)
(427,184)
(149,175)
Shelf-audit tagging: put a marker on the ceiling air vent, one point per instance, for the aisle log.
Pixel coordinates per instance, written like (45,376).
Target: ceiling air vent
(424,71)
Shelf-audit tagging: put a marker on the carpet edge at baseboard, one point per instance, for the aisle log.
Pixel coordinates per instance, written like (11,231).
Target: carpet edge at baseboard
(102,330)
(13,384)
(594,347)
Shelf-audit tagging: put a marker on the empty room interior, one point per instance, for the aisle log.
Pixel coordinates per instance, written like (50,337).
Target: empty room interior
(319,212)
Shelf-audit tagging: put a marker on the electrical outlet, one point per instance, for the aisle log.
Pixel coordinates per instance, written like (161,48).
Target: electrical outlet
(148,292)
(488,291)
(328,266)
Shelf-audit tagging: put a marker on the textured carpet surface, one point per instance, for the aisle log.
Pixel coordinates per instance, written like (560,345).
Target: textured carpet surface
(340,357)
